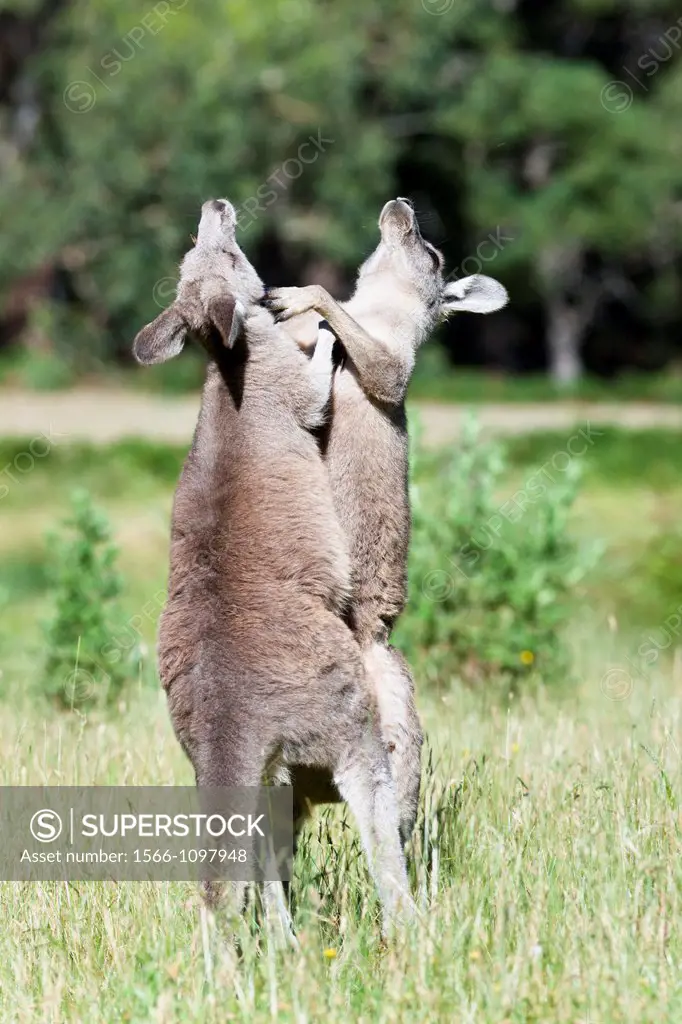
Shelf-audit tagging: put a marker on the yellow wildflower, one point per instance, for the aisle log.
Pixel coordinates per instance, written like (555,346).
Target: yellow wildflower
(330,954)
(527,657)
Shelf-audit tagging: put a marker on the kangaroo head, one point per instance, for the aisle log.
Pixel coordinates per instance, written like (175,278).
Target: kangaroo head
(217,254)
(408,271)
(216,286)
(403,260)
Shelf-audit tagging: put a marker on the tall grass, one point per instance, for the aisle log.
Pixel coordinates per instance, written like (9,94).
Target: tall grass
(546,866)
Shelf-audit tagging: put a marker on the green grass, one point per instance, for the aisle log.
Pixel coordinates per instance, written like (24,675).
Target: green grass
(547,860)
(38,371)
(609,456)
(549,882)
(457,384)
(613,457)
(132,468)
(437,380)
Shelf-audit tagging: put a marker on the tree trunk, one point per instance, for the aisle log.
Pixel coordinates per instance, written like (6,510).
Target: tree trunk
(564,336)
(570,303)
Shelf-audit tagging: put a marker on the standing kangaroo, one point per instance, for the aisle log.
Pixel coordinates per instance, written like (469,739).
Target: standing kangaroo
(260,670)
(399,297)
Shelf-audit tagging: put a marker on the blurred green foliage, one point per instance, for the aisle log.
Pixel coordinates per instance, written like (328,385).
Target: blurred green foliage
(490,594)
(628,503)
(492,583)
(621,459)
(503,123)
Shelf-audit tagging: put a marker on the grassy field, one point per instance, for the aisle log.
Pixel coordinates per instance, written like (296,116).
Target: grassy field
(555,895)
(547,859)
(437,380)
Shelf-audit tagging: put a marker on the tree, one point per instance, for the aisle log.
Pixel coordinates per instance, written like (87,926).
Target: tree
(491,115)
(544,153)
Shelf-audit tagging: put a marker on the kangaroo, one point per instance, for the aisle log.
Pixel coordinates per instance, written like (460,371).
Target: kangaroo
(260,670)
(399,297)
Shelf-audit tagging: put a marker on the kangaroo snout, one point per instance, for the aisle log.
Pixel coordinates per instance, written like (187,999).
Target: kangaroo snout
(217,215)
(218,205)
(397,215)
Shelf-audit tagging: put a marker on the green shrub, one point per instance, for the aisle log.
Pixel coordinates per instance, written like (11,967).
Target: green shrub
(176,377)
(47,372)
(492,577)
(83,665)
(38,371)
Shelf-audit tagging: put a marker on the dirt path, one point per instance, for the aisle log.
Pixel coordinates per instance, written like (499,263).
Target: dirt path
(109,415)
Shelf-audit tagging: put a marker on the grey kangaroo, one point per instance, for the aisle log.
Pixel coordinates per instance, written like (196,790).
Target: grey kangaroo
(260,670)
(399,297)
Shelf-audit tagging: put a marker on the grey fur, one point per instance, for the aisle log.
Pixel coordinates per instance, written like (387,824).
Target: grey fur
(399,297)
(261,673)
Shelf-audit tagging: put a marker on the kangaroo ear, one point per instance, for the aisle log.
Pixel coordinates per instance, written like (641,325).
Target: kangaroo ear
(162,339)
(227,316)
(475,294)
